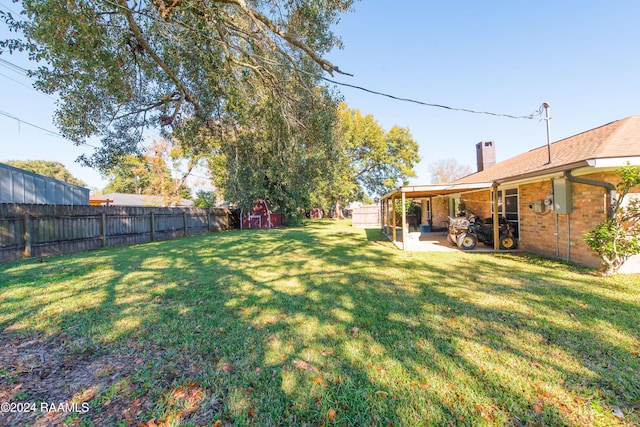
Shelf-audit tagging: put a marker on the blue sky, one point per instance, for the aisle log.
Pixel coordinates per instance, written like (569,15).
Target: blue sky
(508,57)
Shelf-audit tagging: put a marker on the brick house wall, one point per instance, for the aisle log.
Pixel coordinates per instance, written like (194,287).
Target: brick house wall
(537,230)
(439,211)
(478,203)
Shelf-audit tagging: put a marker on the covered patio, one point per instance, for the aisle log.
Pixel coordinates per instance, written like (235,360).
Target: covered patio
(434,241)
(426,239)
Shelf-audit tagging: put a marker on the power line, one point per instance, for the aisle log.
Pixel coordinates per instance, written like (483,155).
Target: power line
(17,81)
(56,134)
(533,116)
(14,67)
(23,72)
(27,86)
(10,10)
(19,120)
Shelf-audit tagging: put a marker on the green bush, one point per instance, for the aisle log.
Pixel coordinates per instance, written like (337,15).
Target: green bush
(616,239)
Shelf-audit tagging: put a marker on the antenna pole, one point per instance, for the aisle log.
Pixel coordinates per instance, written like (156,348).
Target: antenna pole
(548,120)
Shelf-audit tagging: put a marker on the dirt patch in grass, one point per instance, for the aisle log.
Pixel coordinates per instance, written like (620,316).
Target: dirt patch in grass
(59,380)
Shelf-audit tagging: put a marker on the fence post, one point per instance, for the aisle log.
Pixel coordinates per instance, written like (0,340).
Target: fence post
(153,226)
(27,235)
(208,220)
(103,229)
(186,223)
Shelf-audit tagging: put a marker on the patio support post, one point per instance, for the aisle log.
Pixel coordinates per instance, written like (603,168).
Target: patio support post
(404,221)
(423,219)
(387,204)
(496,219)
(393,218)
(386,217)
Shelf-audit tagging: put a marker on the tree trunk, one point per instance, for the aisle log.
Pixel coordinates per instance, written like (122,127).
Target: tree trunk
(337,213)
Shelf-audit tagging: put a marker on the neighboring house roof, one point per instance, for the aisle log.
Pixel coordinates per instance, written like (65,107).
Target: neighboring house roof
(617,139)
(123,199)
(98,201)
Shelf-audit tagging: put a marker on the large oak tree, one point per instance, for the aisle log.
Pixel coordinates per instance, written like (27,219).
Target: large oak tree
(367,160)
(232,78)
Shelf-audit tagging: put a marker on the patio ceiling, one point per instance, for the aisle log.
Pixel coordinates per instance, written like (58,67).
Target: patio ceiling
(424,191)
(418,191)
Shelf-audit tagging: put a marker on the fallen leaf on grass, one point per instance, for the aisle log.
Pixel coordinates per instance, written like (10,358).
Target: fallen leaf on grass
(302,365)
(579,399)
(331,414)
(319,380)
(564,408)
(382,393)
(538,409)
(486,413)
(544,394)
(218,423)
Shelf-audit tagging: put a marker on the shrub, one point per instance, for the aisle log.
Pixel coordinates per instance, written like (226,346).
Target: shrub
(616,239)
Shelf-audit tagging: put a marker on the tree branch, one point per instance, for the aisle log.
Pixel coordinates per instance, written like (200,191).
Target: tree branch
(255,15)
(137,32)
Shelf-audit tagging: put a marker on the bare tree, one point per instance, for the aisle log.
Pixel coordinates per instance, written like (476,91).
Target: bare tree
(447,170)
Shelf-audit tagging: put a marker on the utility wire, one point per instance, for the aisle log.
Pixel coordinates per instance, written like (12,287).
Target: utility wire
(532,116)
(15,68)
(19,120)
(27,86)
(10,10)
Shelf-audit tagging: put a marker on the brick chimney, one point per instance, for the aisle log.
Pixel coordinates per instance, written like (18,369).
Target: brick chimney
(485,155)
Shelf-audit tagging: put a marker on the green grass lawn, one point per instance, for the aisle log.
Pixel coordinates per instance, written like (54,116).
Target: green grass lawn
(321,325)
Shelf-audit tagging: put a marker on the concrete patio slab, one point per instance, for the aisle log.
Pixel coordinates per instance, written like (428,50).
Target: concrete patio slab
(433,242)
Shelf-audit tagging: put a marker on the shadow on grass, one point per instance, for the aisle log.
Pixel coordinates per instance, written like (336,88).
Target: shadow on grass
(285,326)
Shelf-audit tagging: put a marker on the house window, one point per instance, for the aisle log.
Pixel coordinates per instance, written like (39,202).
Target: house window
(508,207)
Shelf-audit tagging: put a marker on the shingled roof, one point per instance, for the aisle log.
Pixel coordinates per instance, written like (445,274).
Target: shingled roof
(616,139)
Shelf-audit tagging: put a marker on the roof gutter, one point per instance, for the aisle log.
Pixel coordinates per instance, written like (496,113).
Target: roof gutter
(609,186)
(548,171)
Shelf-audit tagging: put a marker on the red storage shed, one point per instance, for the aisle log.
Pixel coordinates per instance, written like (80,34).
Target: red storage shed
(260,216)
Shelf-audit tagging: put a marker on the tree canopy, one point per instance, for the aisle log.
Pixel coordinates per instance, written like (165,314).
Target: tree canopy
(366,159)
(197,69)
(55,170)
(149,174)
(234,82)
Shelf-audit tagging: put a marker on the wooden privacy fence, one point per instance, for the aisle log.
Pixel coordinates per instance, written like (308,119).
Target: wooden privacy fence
(39,230)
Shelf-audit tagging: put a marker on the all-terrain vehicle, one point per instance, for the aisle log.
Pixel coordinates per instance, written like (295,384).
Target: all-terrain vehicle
(466,232)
